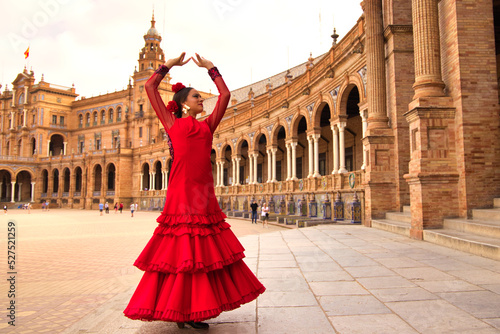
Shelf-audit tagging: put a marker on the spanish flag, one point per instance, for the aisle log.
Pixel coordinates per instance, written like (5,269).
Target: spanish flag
(27,53)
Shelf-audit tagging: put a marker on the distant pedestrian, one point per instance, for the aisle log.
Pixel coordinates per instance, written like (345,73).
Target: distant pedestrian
(132,208)
(136,206)
(5,209)
(265,215)
(121,207)
(116,208)
(47,205)
(106,207)
(28,206)
(101,207)
(254,207)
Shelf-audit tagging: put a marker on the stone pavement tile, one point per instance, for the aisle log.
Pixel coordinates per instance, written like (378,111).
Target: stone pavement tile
(230,328)
(423,274)
(245,313)
(385,282)
(438,316)
(279,273)
(320,257)
(481,276)
(295,283)
(327,276)
(492,287)
(307,251)
(310,320)
(287,298)
(479,261)
(355,261)
(400,262)
(371,324)
(339,288)
(402,294)
(481,304)
(352,305)
(277,257)
(448,286)
(493,322)
(277,264)
(341,253)
(369,271)
(313,265)
(449,264)
(381,254)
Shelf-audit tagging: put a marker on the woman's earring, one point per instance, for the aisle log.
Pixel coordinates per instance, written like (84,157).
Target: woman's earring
(185,109)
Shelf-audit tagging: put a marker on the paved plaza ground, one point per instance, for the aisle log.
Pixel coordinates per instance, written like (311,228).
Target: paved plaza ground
(75,275)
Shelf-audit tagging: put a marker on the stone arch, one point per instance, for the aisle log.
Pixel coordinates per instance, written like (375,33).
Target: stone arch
(240,141)
(256,138)
(78,178)
(45,181)
(97,177)
(318,109)
(276,128)
(111,115)
(87,119)
(158,175)
(56,146)
(55,180)
(110,177)
(6,176)
(66,180)
(344,96)
(103,117)
(23,185)
(33,146)
(145,168)
(297,117)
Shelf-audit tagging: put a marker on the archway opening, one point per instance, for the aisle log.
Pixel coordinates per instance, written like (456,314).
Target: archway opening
(56,146)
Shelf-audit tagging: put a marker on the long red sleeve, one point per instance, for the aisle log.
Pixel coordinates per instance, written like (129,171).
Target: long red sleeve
(220,108)
(166,117)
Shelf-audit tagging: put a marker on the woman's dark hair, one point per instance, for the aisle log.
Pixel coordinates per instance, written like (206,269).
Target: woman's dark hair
(180,97)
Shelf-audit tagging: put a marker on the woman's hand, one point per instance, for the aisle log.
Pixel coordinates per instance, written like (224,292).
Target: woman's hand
(202,62)
(179,61)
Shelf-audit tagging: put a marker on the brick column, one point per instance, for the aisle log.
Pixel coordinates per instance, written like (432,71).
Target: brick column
(379,180)
(375,63)
(428,81)
(433,175)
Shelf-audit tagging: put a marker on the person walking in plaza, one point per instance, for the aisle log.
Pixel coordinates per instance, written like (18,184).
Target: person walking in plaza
(265,215)
(101,207)
(120,207)
(132,209)
(106,207)
(193,267)
(116,208)
(254,207)
(5,209)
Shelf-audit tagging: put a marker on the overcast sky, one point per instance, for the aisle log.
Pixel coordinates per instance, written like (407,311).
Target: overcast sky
(95,44)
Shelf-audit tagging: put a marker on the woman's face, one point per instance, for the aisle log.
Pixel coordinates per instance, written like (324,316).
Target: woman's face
(194,101)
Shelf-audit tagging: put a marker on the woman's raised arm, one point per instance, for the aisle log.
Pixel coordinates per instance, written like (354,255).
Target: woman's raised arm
(166,117)
(220,108)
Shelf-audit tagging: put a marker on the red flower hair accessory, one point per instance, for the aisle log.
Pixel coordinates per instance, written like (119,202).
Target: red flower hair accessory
(172,107)
(177,87)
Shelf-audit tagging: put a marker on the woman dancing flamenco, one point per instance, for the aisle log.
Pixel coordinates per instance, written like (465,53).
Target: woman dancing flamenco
(193,263)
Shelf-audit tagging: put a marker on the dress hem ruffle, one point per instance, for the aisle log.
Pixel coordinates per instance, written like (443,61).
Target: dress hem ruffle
(174,316)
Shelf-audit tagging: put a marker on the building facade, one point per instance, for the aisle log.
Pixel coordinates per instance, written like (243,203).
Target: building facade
(402,111)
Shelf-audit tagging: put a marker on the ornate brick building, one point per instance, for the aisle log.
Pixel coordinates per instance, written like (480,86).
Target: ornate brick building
(402,112)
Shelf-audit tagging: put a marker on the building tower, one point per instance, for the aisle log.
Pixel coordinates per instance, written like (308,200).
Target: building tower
(151,55)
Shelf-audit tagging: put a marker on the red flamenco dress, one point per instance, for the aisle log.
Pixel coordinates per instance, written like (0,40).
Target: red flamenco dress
(193,263)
